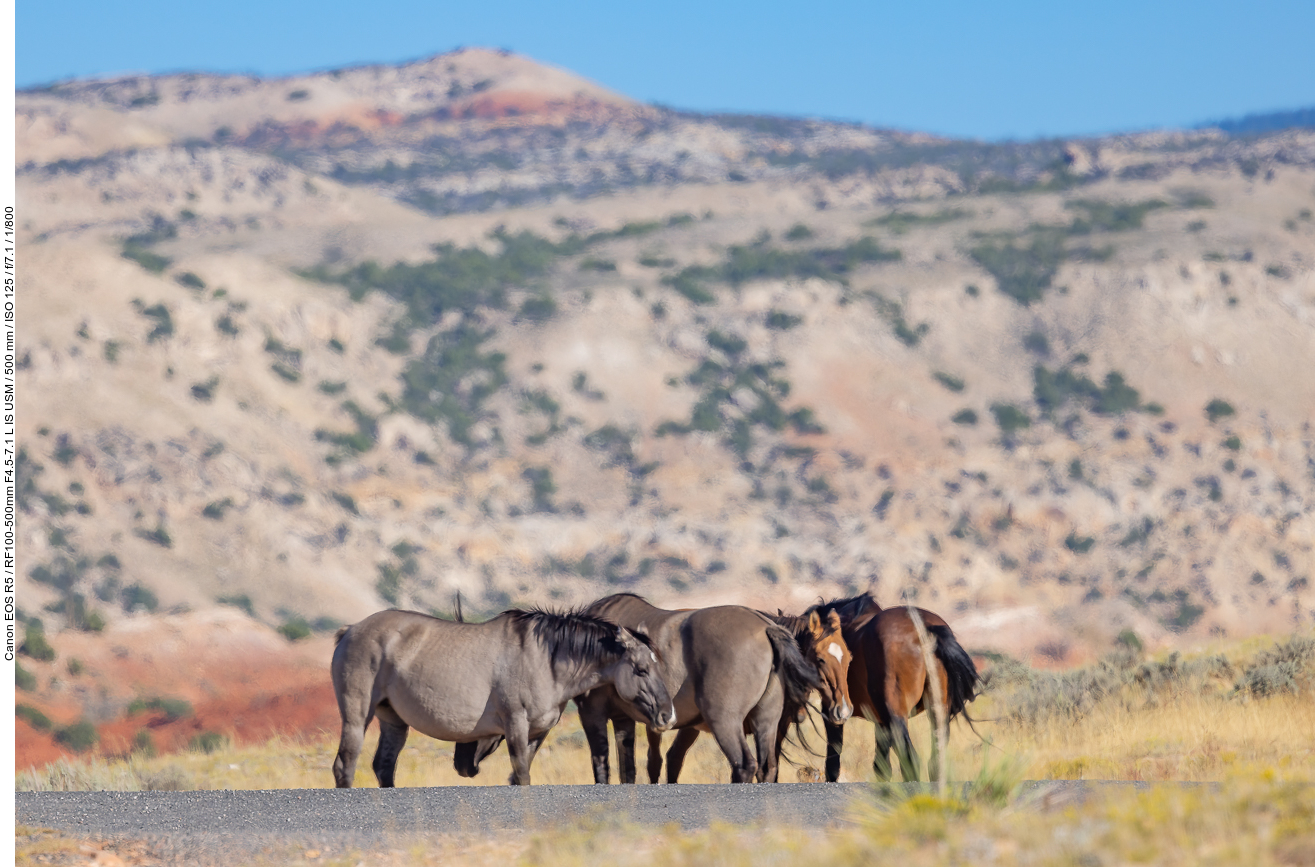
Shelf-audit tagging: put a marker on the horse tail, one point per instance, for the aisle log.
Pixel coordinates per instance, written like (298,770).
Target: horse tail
(798,676)
(337,636)
(959,670)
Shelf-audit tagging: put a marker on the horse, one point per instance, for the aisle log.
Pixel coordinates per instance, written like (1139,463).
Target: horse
(730,670)
(821,641)
(889,681)
(507,677)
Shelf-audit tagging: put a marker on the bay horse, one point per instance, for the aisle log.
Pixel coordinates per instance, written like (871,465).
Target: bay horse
(730,670)
(821,641)
(889,681)
(507,677)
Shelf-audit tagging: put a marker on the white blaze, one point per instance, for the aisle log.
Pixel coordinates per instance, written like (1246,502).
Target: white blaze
(834,650)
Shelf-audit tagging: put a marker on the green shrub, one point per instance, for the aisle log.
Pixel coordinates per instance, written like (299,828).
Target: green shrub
(136,596)
(798,232)
(286,372)
(143,744)
(190,280)
(779,320)
(542,487)
(79,737)
(34,717)
(159,536)
(452,380)
(965,417)
(1022,273)
(539,308)
(207,742)
(1010,418)
(1233,443)
(153,262)
(205,391)
(1079,544)
(1217,409)
(899,222)
(331,388)
(35,644)
(345,500)
(215,509)
(953,383)
(590,263)
(1101,216)
(164,324)
(242,601)
(1036,342)
(294,628)
(1288,668)
(170,707)
(24,679)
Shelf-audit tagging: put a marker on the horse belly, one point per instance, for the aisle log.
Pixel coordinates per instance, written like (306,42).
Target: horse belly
(453,713)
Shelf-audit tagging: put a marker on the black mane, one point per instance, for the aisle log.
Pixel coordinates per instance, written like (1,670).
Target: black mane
(572,636)
(847,607)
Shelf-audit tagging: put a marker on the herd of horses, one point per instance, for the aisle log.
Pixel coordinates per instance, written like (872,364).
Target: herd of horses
(728,670)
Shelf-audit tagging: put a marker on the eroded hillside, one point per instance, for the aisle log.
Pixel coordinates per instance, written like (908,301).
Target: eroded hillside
(316,346)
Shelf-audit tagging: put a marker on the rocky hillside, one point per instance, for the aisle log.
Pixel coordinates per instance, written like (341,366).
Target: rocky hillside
(311,347)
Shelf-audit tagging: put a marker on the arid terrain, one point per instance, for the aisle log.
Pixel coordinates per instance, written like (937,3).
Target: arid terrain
(296,350)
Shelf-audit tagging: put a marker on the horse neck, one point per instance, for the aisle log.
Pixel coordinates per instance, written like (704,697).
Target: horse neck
(579,676)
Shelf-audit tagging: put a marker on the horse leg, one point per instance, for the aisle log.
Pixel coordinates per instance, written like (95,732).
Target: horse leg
(730,737)
(593,719)
(654,755)
(835,742)
(685,739)
(908,756)
(623,729)
(354,722)
(764,722)
(392,737)
(881,766)
(521,750)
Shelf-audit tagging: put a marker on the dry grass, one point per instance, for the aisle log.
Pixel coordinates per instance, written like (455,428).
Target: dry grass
(1262,750)
(1190,730)
(1255,819)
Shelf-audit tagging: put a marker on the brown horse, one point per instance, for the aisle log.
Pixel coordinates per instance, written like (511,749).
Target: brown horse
(821,640)
(889,681)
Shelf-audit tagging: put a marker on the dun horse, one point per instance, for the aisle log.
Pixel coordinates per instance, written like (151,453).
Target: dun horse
(889,681)
(730,671)
(508,677)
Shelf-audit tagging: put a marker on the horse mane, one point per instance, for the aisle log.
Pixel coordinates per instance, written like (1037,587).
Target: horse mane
(572,635)
(847,607)
(797,624)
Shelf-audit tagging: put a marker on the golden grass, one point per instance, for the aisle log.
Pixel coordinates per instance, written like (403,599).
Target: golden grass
(1200,734)
(1257,819)
(1261,750)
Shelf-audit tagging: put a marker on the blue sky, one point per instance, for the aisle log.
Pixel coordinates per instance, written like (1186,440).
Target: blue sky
(993,70)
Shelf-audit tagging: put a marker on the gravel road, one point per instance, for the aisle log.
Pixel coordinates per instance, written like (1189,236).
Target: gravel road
(226,821)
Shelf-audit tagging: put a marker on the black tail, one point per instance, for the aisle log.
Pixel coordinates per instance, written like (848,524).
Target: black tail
(959,670)
(798,676)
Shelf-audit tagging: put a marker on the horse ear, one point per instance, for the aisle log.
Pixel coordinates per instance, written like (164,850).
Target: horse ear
(814,623)
(623,635)
(641,629)
(833,619)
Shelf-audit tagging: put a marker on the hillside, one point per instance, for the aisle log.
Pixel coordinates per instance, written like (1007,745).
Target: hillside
(305,348)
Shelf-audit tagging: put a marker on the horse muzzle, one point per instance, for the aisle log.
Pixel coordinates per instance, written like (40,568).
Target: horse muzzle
(841,712)
(664,720)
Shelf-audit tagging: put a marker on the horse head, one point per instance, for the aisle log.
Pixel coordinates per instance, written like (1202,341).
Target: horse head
(638,680)
(831,656)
